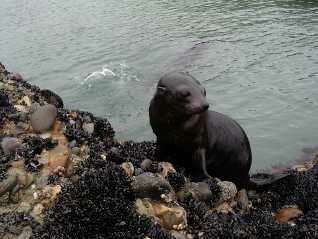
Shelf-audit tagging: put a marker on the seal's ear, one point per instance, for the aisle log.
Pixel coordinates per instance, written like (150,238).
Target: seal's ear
(161,90)
(204,91)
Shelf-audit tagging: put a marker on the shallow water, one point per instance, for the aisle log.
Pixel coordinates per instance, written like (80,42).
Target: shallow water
(257,59)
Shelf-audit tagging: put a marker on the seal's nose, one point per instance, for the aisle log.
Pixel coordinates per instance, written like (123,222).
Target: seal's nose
(205,106)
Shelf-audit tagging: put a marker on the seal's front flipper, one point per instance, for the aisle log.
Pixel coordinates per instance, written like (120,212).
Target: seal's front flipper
(199,165)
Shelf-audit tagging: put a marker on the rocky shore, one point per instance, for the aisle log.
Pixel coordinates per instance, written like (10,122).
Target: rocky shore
(63,174)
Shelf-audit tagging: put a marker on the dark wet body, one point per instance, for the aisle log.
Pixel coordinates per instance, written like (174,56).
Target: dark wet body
(206,143)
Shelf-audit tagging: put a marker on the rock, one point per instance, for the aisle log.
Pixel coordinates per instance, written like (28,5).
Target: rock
(72,144)
(228,191)
(76,150)
(173,217)
(4,99)
(288,213)
(49,194)
(138,171)
(22,126)
(52,98)
(21,108)
(146,164)
(24,207)
(26,233)
(166,168)
(25,101)
(150,185)
(8,184)
(178,235)
(88,128)
(43,117)
(37,212)
(15,77)
(57,157)
(199,191)
(242,200)
(9,145)
(223,208)
(128,168)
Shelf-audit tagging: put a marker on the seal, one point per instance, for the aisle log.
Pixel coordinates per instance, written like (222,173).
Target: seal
(205,142)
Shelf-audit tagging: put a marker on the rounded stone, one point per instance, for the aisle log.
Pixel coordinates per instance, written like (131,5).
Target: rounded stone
(9,145)
(146,164)
(228,191)
(150,185)
(43,117)
(88,128)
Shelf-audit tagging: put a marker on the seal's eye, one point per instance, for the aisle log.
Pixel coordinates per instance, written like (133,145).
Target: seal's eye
(161,90)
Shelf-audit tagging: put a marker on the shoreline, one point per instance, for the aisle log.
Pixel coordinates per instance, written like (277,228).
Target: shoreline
(63,174)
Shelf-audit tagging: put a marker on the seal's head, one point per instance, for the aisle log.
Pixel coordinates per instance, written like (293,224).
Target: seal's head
(181,94)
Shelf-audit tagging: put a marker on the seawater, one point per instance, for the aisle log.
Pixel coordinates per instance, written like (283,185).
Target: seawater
(257,59)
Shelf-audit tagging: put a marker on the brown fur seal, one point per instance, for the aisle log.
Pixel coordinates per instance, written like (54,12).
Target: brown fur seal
(206,143)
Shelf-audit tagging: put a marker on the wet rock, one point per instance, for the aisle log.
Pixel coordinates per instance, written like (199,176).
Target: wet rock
(49,194)
(200,191)
(52,98)
(8,184)
(43,117)
(72,144)
(9,145)
(224,208)
(228,191)
(173,217)
(76,150)
(37,212)
(24,207)
(146,164)
(242,200)
(4,99)
(150,185)
(178,235)
(88,128)
(138,171)
(177,180)
(166,168)
(288,213)
(15,77)
(26,233)
(25,101)
(22,126)
(128,168)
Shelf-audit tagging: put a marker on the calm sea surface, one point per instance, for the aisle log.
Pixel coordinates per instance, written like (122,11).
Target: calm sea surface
(258,60)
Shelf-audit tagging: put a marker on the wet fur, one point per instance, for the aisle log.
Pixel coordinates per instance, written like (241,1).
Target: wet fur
(205,142)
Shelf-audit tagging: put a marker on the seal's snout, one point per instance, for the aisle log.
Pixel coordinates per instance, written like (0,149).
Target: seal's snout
(205,106)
